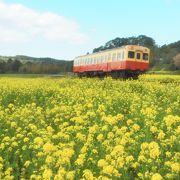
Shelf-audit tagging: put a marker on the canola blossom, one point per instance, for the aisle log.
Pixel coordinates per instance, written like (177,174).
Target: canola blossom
(89,129)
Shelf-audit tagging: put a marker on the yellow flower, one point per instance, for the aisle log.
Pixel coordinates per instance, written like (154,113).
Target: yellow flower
(100,137)
(47,174)
(13,125)
(108,170)
(168,154)
(8,171)
(49,159)
(102,163)
(175,167)
(48,147)
(170,120)
(87,174)
(70,175)
(161,135)
(49,129)
(27,163)
(144,146)
(14,144)
(80,136)
(38,141)
(136,127)
(153,129)
(154,150)
(26,139)
(10,105)
(1,159)
(129,159)
(142,158)
(129,121)
(156,176)
(110,135)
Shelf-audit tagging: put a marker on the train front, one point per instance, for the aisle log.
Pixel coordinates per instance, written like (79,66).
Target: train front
(137,58)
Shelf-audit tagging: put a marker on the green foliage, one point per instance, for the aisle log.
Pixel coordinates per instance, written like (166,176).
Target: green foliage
(25,64)
(118,42)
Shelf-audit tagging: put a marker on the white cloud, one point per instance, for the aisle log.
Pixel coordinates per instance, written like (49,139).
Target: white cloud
(20,24)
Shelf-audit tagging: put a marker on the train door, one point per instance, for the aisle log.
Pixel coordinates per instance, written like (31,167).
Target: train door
(138,56)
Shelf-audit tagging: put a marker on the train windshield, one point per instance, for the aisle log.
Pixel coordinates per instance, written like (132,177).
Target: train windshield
(145,56)
(131,54)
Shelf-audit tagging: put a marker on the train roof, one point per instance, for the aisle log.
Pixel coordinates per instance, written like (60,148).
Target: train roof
(126,46)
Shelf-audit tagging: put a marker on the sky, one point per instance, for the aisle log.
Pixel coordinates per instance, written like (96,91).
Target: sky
(64,29)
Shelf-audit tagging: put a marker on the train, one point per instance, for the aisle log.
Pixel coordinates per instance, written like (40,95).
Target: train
(125,61)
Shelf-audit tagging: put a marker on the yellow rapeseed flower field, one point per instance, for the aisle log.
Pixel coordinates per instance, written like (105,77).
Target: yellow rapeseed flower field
(90,129)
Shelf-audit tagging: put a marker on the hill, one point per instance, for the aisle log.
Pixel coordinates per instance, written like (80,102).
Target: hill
(27,64)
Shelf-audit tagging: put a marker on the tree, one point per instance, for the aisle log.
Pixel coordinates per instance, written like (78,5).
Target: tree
(16,64)
(176,61)
(118,42)
(2,66)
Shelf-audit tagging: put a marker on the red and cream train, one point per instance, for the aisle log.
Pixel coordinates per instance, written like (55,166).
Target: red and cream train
(126,61)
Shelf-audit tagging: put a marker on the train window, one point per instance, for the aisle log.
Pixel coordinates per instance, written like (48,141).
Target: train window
(145,56)
(96,60)
(92,60)
(102,59)
(119,56)
(105,58)
(109,57)
(99,59)
(131,54)
(114,57)
(122,57)
(138,56)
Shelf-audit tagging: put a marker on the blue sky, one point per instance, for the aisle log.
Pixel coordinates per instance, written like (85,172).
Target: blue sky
(65,29)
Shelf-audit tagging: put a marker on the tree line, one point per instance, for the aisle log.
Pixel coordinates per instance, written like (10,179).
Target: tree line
(17,66)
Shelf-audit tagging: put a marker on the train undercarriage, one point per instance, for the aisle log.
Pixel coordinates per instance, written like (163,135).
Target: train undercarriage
(114,74)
